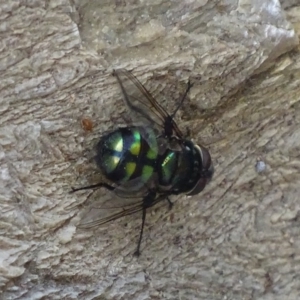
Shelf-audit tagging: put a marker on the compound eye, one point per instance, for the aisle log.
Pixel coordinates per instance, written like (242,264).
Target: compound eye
(207,163)
(208,171)
(206,159)
(199,187)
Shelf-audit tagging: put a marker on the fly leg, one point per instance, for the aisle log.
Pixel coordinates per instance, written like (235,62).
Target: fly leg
(93,186)
(189,85)
(188,132)
(137,252)
(170,203)
(148,201)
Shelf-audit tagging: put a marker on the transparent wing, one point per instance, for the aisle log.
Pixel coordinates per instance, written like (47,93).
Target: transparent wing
(142,105)
(135,188)
(109,208)
(97,217)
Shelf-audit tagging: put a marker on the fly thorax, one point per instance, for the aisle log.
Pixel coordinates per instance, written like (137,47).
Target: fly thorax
(167,168)
(180,170)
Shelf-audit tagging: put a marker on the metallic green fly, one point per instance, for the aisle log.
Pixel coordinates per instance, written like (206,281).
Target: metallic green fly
(147,161)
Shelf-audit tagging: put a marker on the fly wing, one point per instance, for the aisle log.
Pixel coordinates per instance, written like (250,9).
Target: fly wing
(142,105)
(102,207)
(109,208)
(98,217)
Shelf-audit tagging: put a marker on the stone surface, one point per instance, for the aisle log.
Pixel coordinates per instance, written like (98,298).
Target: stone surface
(236,240)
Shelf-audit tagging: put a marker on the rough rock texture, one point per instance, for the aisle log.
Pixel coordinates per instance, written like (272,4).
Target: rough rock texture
(239,239)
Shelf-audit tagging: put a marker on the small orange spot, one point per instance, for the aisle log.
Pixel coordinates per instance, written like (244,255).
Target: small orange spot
(87,124)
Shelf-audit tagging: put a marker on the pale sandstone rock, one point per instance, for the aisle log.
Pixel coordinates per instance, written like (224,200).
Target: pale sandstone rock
(236,240)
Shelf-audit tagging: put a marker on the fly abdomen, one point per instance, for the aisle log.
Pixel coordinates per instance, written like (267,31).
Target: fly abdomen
(127,153)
